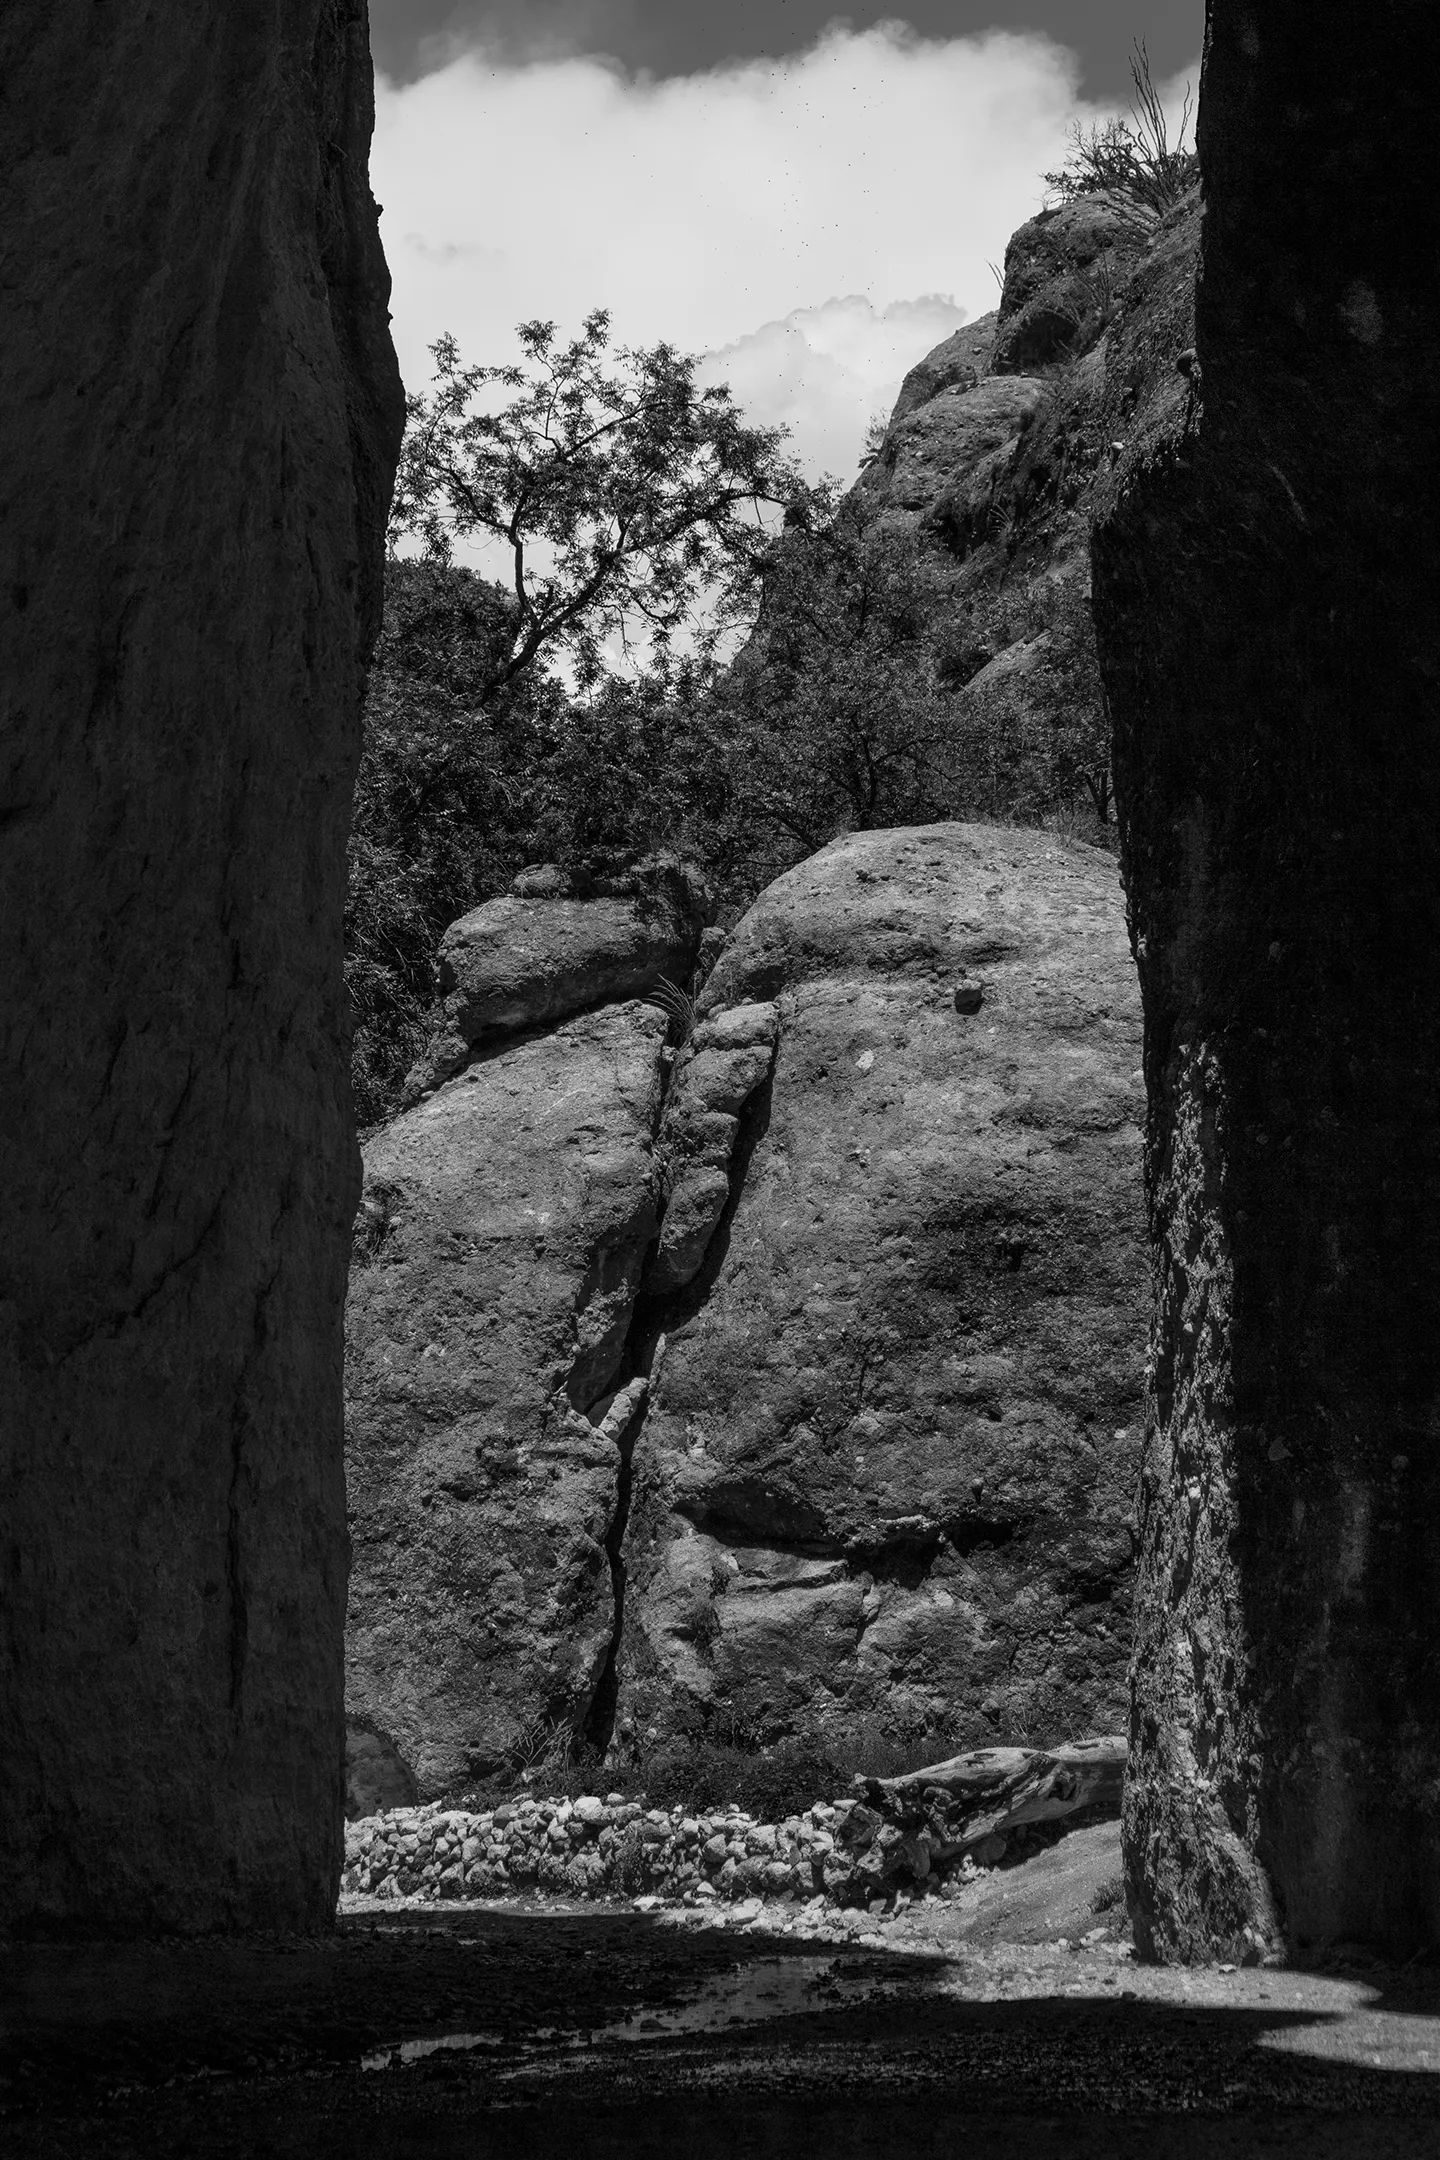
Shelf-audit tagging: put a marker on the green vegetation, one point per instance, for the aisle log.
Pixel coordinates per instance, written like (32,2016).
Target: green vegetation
(694,651)
(716,1770)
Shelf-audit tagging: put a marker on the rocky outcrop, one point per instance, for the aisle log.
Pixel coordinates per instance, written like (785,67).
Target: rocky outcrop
(1266,560)
(546,950)
(1064,271)
(987,472)
(957,430)
(824,1502)
(498,1253)
(885,1478)
(202,419)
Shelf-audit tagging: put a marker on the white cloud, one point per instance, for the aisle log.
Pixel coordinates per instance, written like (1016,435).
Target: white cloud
(725,211)
(698,209)
(825,371)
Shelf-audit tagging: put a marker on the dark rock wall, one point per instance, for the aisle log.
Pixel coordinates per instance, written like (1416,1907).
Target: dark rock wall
(1266,564)
(202,414)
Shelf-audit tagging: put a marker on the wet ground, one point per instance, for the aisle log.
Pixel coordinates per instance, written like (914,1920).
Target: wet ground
(1013,2022)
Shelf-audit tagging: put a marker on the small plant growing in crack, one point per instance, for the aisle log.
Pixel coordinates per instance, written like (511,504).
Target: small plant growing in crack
(678,1007)
(1110,1894)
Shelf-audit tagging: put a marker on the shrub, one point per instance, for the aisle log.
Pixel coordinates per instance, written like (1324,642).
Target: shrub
(1132,159)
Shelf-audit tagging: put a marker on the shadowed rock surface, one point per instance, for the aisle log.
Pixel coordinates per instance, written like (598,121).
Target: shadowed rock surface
(989,467)
(886,1473)
(203,414)
(1266,566)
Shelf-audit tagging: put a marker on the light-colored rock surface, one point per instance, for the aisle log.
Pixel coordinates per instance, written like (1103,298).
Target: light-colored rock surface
(953,431)
(727,1062)
(1063,272)
(886,1473)
(201,419)
(531,958)
(499,1249)
(957,362)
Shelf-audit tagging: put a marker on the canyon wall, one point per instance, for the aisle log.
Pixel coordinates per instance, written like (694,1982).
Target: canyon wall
(1266,559)
(779,1382)
(203,413)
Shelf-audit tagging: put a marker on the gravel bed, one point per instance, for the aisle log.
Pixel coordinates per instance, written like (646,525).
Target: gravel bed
(614,1847)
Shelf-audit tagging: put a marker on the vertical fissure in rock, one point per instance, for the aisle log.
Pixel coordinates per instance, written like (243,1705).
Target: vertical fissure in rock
(651,1320)
(234,1570)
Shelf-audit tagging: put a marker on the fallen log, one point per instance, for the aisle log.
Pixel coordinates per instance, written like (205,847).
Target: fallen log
(991,1791)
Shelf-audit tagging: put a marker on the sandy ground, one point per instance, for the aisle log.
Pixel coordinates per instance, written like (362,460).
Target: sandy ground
(1014,2021)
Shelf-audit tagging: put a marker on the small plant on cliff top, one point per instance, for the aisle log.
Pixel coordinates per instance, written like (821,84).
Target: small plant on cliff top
(1133,159)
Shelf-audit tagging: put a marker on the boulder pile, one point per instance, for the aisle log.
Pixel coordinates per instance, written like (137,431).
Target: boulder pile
(620,1848)
(926,1832)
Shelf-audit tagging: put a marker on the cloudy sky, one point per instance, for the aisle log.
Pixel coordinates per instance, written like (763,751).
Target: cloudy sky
(811,201)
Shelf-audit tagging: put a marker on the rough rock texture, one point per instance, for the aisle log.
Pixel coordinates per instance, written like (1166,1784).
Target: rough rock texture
(202,418)
(1266,569)
(534,956)
(886,1474)
(1063,272)
(497,1258)
(957,362)
(728,1060)
(990,471)
(954,431)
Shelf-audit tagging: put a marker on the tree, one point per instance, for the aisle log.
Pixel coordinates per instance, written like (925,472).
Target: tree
(830,719)
(627,498)
(630,503)
(450,787)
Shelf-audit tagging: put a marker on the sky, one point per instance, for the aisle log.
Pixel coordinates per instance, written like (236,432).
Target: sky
(809,203)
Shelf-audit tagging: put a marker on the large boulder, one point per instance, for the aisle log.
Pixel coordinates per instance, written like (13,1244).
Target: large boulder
(532,956)
(958,362)
(1063,273)
(952,432)
(1267,556)
(202,414)
(885,1480)
(497,1257)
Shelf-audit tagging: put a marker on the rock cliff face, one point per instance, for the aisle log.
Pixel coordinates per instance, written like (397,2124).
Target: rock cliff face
(498,1256)
(990,463)
(203,414)
(1266,561)
(883,1207)
(885,1479)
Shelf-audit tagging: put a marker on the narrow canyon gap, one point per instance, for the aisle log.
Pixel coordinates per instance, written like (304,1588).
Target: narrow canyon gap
(1266,571)
(203,413)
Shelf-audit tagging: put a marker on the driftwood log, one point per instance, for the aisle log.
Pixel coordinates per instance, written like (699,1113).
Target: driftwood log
(957,1807)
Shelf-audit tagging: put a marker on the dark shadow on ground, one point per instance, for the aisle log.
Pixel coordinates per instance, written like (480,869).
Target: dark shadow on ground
(209,2049)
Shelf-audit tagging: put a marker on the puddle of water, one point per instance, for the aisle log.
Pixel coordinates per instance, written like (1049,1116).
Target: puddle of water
(770,1988)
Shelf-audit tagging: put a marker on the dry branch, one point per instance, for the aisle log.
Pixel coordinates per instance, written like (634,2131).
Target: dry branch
(991,1791)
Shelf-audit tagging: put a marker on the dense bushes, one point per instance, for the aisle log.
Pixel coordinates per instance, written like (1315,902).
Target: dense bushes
(860,700)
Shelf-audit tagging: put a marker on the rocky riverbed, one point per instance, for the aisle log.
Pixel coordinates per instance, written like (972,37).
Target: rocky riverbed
(841,1853)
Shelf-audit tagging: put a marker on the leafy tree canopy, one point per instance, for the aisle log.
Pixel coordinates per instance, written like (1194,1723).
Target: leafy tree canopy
(627,498)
